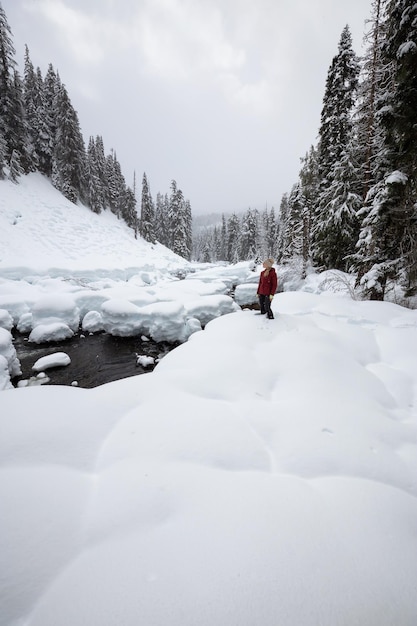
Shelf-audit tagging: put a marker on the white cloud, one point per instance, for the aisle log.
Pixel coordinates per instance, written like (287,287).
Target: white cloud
(84,35)
(180,38)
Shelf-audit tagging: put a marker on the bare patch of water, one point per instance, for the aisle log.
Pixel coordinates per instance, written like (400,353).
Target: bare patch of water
(95,359)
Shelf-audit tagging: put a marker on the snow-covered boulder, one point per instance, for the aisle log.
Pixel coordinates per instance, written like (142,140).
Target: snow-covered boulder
(246,293)
(10,362)
(121,318)
(45,333)
(6,320)
(50,309)
(58,359)
(164,321)
(25,323)
(5,382)
(92,322)
(15,304)
(208,308)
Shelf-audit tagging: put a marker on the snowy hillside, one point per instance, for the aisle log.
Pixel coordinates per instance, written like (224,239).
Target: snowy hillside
(41,230)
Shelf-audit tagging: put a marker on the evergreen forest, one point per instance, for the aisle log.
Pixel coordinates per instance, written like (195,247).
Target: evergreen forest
(40,132)
(353,207)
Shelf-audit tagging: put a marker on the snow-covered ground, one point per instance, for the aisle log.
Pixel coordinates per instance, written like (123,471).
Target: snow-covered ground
(264,474)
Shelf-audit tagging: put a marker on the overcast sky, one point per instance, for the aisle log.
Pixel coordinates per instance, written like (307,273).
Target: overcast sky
(224,96)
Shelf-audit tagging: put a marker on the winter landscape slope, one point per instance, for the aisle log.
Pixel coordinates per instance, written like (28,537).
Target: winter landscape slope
(40,230)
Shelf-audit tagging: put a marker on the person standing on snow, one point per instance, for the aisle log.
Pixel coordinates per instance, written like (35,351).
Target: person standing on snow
(267,287)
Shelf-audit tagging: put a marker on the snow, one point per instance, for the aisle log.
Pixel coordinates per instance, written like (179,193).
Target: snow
(396,177)
(57,359)
(264,473)
(405,48)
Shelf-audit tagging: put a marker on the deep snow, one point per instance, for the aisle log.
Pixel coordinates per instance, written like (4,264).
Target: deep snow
(265,473)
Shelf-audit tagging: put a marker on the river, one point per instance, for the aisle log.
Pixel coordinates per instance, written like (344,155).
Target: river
(95,359)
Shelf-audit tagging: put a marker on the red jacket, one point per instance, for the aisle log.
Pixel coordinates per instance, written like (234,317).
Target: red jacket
(268,284)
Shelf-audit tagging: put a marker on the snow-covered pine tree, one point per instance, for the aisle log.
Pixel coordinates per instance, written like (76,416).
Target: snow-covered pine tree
(399,203)
(336,133)
(309,182)
(178,222)
(147,213)
(338,102)
(161,218)
(223,240)
(50,91)
(337,232)
(370,90)
(7,67)
(69,156)
(2,156)
(101,164)
(249,235)
(18,127)
(282,227)
(114,190)
(270,235)
(43,130)
(233,239)
(95,192)
(31,102)
(15,168)
(387,247)
(129,212)
(120,186)
(293,228)
(189,229)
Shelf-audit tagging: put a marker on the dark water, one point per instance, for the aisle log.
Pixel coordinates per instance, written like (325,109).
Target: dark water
(95,359)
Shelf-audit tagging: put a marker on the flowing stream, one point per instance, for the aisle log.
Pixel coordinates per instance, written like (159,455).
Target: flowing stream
(95,359)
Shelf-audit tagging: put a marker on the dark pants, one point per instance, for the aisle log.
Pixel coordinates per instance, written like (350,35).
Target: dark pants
(265,304)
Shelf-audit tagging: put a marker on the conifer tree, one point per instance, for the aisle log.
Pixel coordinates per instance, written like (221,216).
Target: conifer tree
(44,128)
(338,230)
(161,218)
(18,137)
(31,103)
(292,227)
(268,245)
(46,114)
(339,98)
(309,183)
(282,228)
(249,235)
(370,92)
(7,68)
(387,247)
(2,156)
(178,222)
(15,168)
(233,239)
(95,193)
(147,215)
(130,215)
(101,165)
(335,135)
(223,240)
(189,229)
(112,182)
(69,160)
(121,187)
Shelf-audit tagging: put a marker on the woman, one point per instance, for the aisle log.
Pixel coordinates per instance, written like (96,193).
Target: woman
(267,287)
